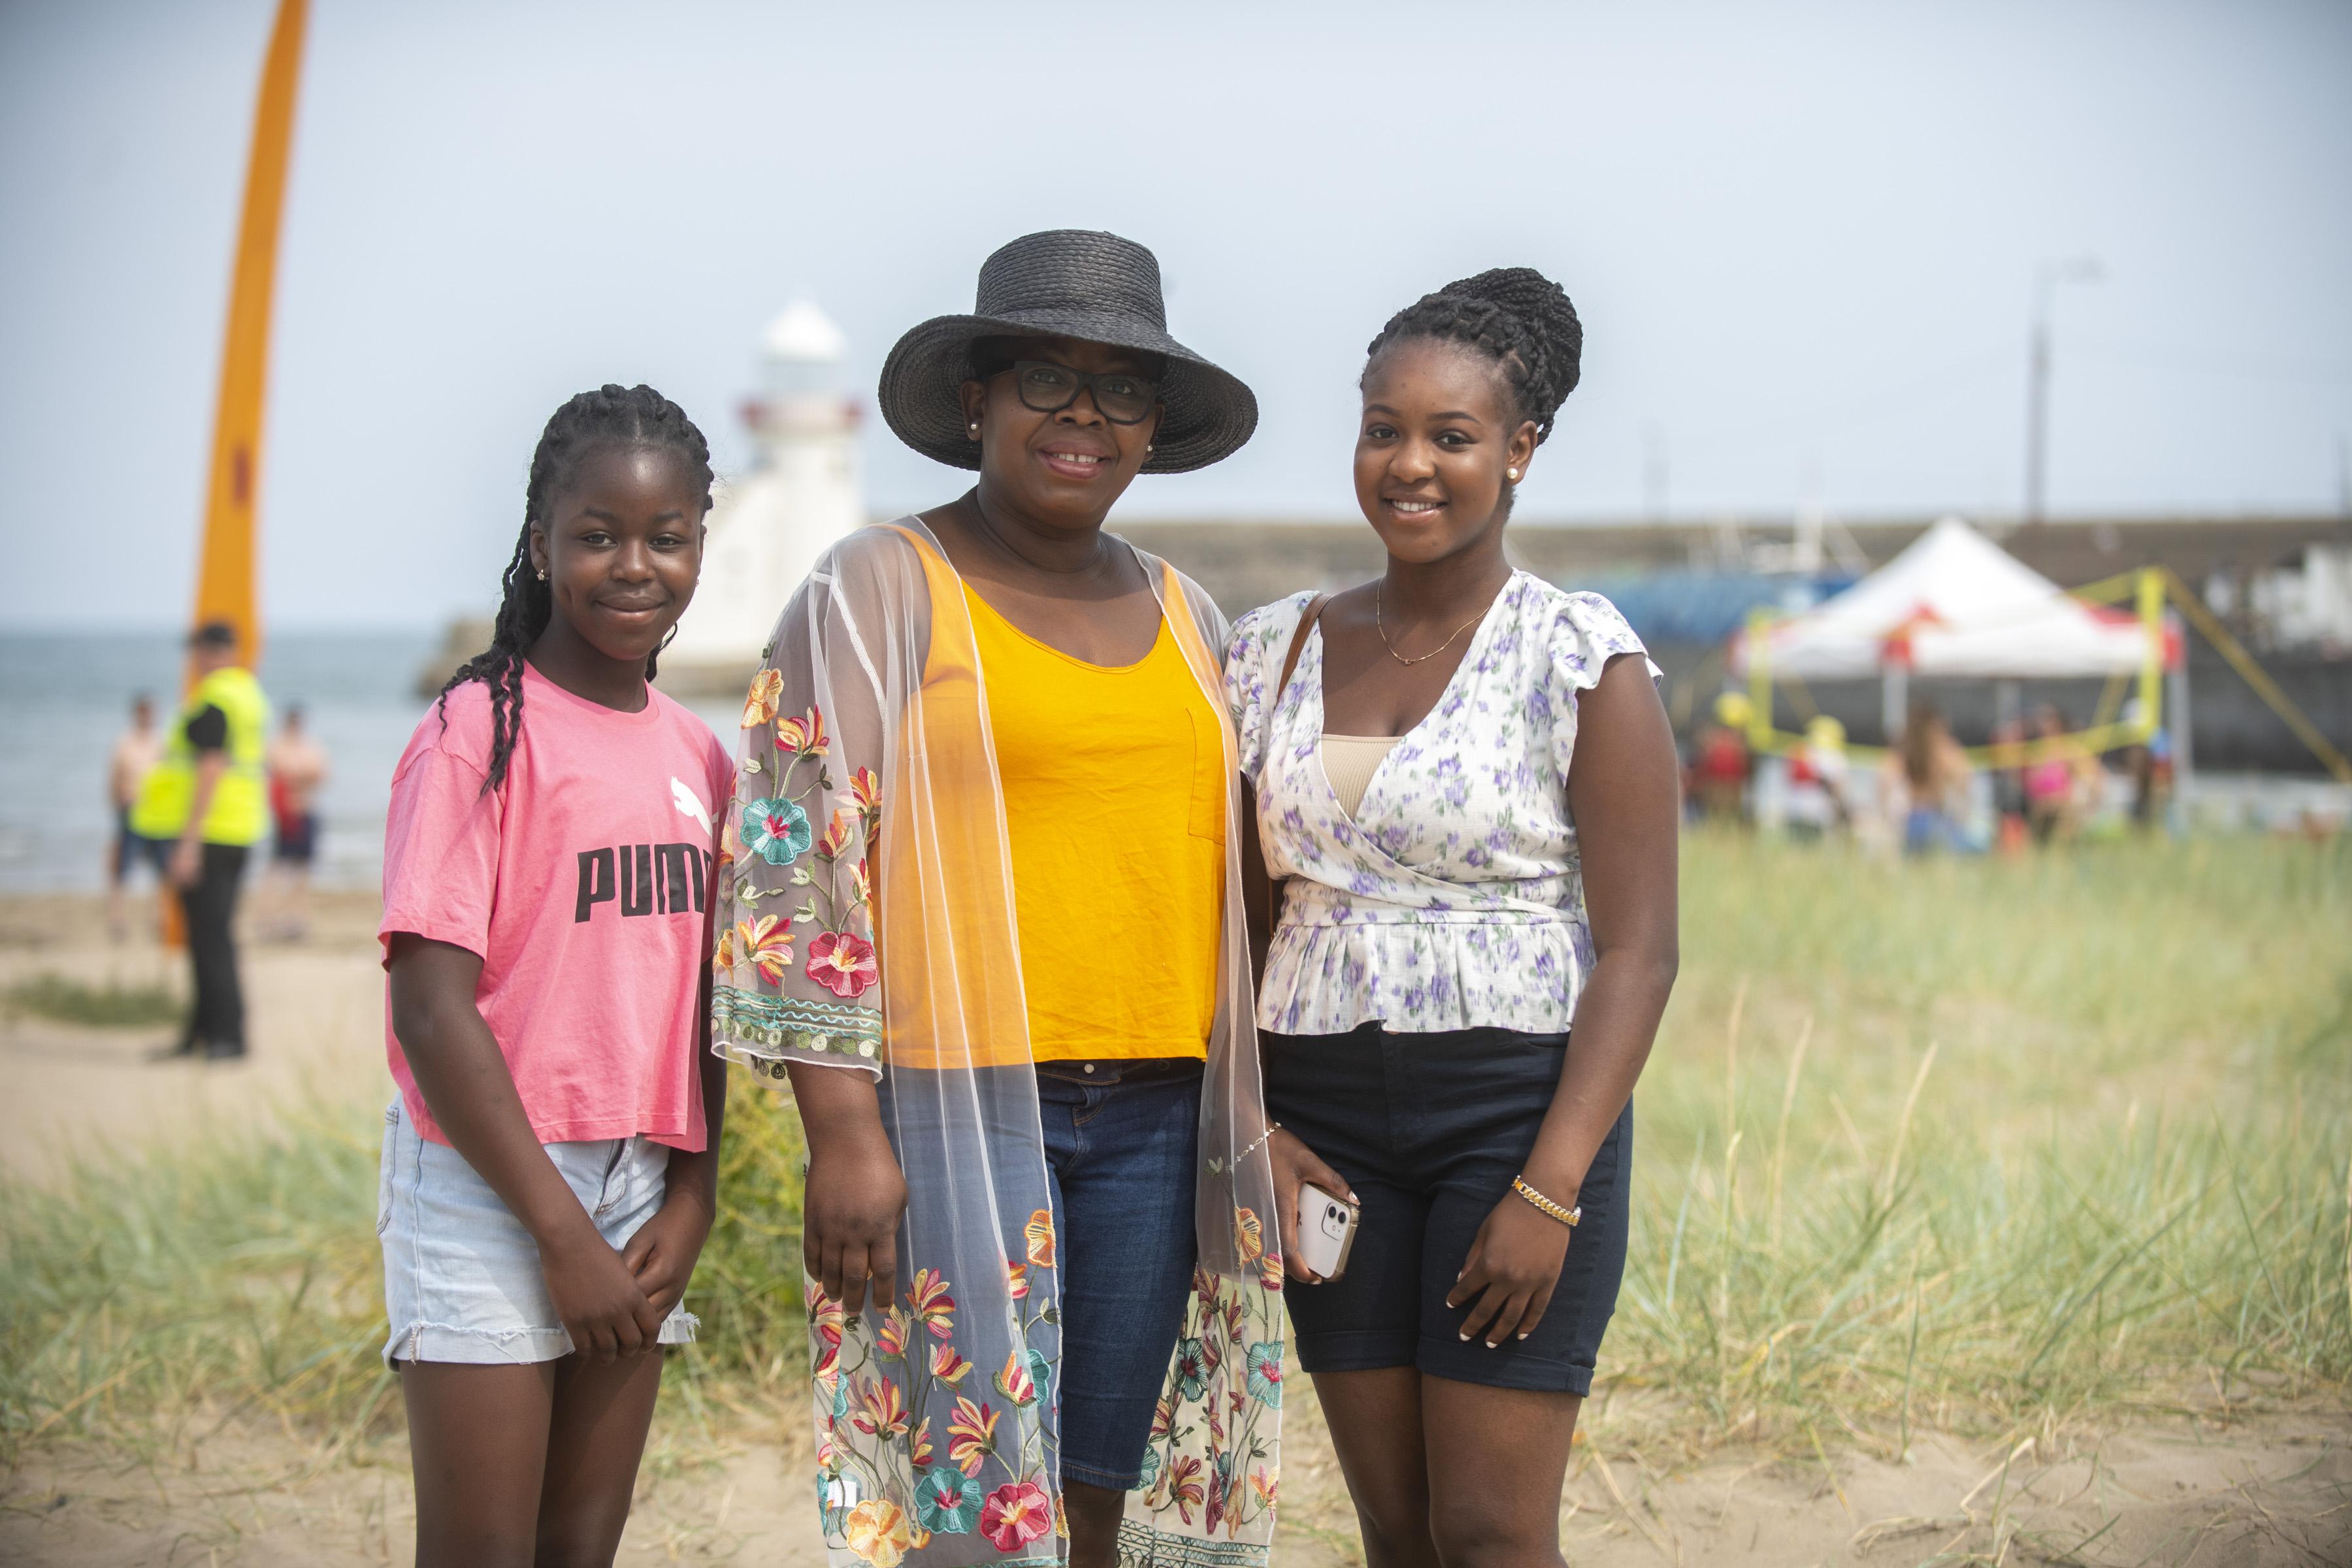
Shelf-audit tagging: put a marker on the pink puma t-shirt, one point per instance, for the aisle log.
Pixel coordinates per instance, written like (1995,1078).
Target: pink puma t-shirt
(585,884)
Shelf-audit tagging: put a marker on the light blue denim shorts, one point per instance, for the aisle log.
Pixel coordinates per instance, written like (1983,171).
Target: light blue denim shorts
(461,1276)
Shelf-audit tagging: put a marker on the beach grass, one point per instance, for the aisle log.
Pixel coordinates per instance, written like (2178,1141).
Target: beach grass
(1978,1145)
(113,1005)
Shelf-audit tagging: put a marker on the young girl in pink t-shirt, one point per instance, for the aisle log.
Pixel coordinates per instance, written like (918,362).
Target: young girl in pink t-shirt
(551,1161)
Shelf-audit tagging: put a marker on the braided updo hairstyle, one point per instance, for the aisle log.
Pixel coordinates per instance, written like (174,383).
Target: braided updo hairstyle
(612,416)
(1515,316)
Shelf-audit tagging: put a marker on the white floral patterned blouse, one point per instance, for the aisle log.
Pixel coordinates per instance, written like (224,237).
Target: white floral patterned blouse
(1451,899)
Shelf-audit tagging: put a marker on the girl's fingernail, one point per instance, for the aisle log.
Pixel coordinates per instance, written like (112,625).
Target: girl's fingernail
(1523,1336)
(1465,1339)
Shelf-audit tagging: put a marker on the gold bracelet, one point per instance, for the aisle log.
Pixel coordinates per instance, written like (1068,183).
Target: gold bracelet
(1565,1215)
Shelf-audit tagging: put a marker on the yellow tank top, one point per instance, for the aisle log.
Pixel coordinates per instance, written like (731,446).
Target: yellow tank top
(1114,809)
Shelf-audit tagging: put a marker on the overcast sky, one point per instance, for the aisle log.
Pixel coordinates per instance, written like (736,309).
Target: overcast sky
(1802,244)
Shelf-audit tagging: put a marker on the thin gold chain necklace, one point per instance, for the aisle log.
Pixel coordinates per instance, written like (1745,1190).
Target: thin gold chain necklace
(1432,653)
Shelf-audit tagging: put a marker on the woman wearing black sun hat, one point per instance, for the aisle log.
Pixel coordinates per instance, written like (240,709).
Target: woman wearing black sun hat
(982,909)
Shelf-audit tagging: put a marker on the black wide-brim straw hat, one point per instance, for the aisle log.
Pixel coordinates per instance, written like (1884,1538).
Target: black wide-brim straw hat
(1068,283)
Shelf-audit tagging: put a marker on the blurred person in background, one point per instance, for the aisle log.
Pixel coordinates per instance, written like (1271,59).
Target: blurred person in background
(205,798)
(2148,766)
(136,752)
(298,771)
(1818,777)
(1925,781)
(2053,780)
(1715,782)
(1469,788)
(2009,788)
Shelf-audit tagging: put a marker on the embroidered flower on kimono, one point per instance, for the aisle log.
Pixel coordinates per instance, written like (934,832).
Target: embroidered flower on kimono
(876,1531)
(881,1410)
(1191,1368)
(1164,1417)
(927,1295)
(866,789)
(843,963)
(766,942)
(1016,1279)
(777,831)
(948,1501)
(825,1318)
(1263,1481)
(1183,1487)
(804,736)
(1270,1271)
(722,960)
(1016,1514)
(918,1452)
(1248,1236)
(890,1339)
(1040,1234)
(948,1366)
(1014,1381)
(1266,1372)
(759,705)
(972,1436)
(839,834)
(861,884)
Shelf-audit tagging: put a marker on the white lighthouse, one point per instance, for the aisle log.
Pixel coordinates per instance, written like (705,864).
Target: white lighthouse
(769,526)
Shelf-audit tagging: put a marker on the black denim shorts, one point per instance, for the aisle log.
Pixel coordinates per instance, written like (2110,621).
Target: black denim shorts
(1430,1130)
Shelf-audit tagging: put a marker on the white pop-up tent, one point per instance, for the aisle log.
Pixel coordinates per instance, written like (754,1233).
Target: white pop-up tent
(1952,604)
(1955,604)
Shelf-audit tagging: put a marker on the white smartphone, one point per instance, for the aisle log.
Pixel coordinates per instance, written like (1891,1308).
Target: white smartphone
(1327,1231)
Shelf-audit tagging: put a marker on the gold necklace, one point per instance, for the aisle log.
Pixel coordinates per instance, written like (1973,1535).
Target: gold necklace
(1432,653)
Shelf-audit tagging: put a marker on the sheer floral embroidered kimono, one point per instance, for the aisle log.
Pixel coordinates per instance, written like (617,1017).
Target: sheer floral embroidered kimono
(868,922)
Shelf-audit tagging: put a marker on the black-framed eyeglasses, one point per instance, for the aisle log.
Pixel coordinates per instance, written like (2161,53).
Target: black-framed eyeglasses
(1049,388)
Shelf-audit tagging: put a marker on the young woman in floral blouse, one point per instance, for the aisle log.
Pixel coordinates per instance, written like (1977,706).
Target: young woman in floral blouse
(1466,789)
(982,911)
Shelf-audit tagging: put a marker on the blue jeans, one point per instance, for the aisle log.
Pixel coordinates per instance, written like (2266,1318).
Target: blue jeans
(1122,1146)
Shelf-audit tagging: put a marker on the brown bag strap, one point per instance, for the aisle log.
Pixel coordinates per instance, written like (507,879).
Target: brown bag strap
(1297,640)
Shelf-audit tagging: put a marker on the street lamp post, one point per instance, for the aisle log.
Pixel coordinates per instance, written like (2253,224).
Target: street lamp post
(2046,276)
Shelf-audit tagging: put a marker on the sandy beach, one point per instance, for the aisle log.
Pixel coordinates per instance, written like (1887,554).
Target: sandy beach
(2225,1475)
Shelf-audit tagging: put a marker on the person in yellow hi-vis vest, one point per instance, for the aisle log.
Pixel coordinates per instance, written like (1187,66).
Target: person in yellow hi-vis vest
(207,802)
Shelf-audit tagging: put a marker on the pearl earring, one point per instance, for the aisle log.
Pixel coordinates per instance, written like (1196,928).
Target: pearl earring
(973,428)
(1512,474)
(542,574)
(1149,448)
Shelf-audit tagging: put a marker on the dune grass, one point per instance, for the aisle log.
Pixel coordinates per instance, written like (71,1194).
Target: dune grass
(1976,1145)
(112,1006)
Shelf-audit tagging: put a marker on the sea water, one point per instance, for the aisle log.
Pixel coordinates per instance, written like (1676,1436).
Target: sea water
(66,696)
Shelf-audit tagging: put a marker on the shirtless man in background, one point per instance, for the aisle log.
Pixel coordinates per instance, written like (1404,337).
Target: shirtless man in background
(298,771)
(135,750)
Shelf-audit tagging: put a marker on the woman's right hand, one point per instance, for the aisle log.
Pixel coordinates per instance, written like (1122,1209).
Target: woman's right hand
(597,1298)
(849,1233)
(1295,1167)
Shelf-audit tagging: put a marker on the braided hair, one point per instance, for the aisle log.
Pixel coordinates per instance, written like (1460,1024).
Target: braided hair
(1515,316)
(612,416)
